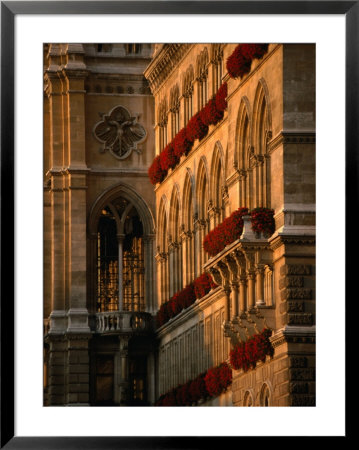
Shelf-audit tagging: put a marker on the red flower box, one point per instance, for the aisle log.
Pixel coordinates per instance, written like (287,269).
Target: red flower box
(263,221)
(208,384)
(168,159)
(218,379)
(225,233)
(246,355)
(155,172)
(197,389)
(182,145)
(203,284)
(195,128)
(240,61)
(221,97)
(210,115)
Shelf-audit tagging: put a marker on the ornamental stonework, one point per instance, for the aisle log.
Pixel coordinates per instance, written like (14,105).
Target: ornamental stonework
(119,133)
(295,269)
(296,293)
(291,281)
(302,400)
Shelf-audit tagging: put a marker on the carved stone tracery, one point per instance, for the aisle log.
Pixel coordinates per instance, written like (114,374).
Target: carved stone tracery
(119,132)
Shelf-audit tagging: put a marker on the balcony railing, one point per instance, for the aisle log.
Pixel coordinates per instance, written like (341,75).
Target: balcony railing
(116,322)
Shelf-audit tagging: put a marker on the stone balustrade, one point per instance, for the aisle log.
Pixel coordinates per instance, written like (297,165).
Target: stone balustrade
(244,269)
(118,322)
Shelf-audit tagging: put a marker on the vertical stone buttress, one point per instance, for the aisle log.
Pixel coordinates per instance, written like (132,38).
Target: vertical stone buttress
(75,173)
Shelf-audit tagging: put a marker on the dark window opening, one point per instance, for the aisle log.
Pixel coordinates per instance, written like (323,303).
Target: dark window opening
(133,49)
(104,380)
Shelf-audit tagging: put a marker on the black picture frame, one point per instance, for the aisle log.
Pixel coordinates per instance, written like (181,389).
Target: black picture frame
(9,9)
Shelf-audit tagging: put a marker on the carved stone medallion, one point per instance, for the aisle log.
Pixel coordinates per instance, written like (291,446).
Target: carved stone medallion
(119,132)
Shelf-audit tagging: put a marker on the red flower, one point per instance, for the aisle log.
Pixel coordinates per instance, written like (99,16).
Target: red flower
(181,144)
(155,171)
(246,355)
(225,233)
(239,63)
(195,128)
(203,284)
(210,114)
(168,159)
(218,379)
(221,97)
(263,220)
(197,388)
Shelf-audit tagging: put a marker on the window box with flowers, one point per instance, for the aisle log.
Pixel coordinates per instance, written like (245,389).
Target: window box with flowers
(231,228)
(246,355)
(240,61)
(197,128)
(207,385)
(183,299)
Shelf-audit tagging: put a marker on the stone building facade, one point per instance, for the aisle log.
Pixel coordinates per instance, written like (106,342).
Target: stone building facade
(116,247)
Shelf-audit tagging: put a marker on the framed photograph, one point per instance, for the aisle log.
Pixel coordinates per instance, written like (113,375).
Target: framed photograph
(167,181)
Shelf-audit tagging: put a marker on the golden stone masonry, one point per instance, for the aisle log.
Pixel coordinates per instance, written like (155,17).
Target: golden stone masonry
(126,319)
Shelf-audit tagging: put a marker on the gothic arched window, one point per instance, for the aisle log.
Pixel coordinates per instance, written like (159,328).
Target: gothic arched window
(217,57)
(202,74)
(162,124)
(120,258)
(187,94)
(265,396)
(175,111)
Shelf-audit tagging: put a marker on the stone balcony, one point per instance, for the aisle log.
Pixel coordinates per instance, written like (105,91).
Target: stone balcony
(124,322)
(244,269)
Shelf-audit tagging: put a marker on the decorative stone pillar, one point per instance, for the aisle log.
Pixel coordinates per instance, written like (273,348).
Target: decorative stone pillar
(242,181)
(225,198)
(122,372)
(225,275)
(260,285)
(235,290)
(120,239)
(251,290)
(148,242)
(199,227)
(242,295)
(227,306)
(74,73)
(158,259)
(233,268)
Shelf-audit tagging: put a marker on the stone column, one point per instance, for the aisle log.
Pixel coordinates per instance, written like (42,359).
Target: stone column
(158,259)
(260,285)
(74,73)
(227,305)
(122,372)
(235,291)
(120,239)
(251,290)
(242,295)
(56,196)
(150,281)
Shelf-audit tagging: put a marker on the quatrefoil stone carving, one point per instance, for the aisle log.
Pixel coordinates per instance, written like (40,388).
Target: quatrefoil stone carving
(119,132)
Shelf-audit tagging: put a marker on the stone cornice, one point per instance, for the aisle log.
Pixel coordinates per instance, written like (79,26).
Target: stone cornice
(294,334)
(164,63)
(278,240)
(292,137)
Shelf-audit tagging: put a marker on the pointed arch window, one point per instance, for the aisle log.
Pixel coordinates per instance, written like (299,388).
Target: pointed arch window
(162,124)
(187,94)
(217,61)
(202,74)
(120,259)
(175,111)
